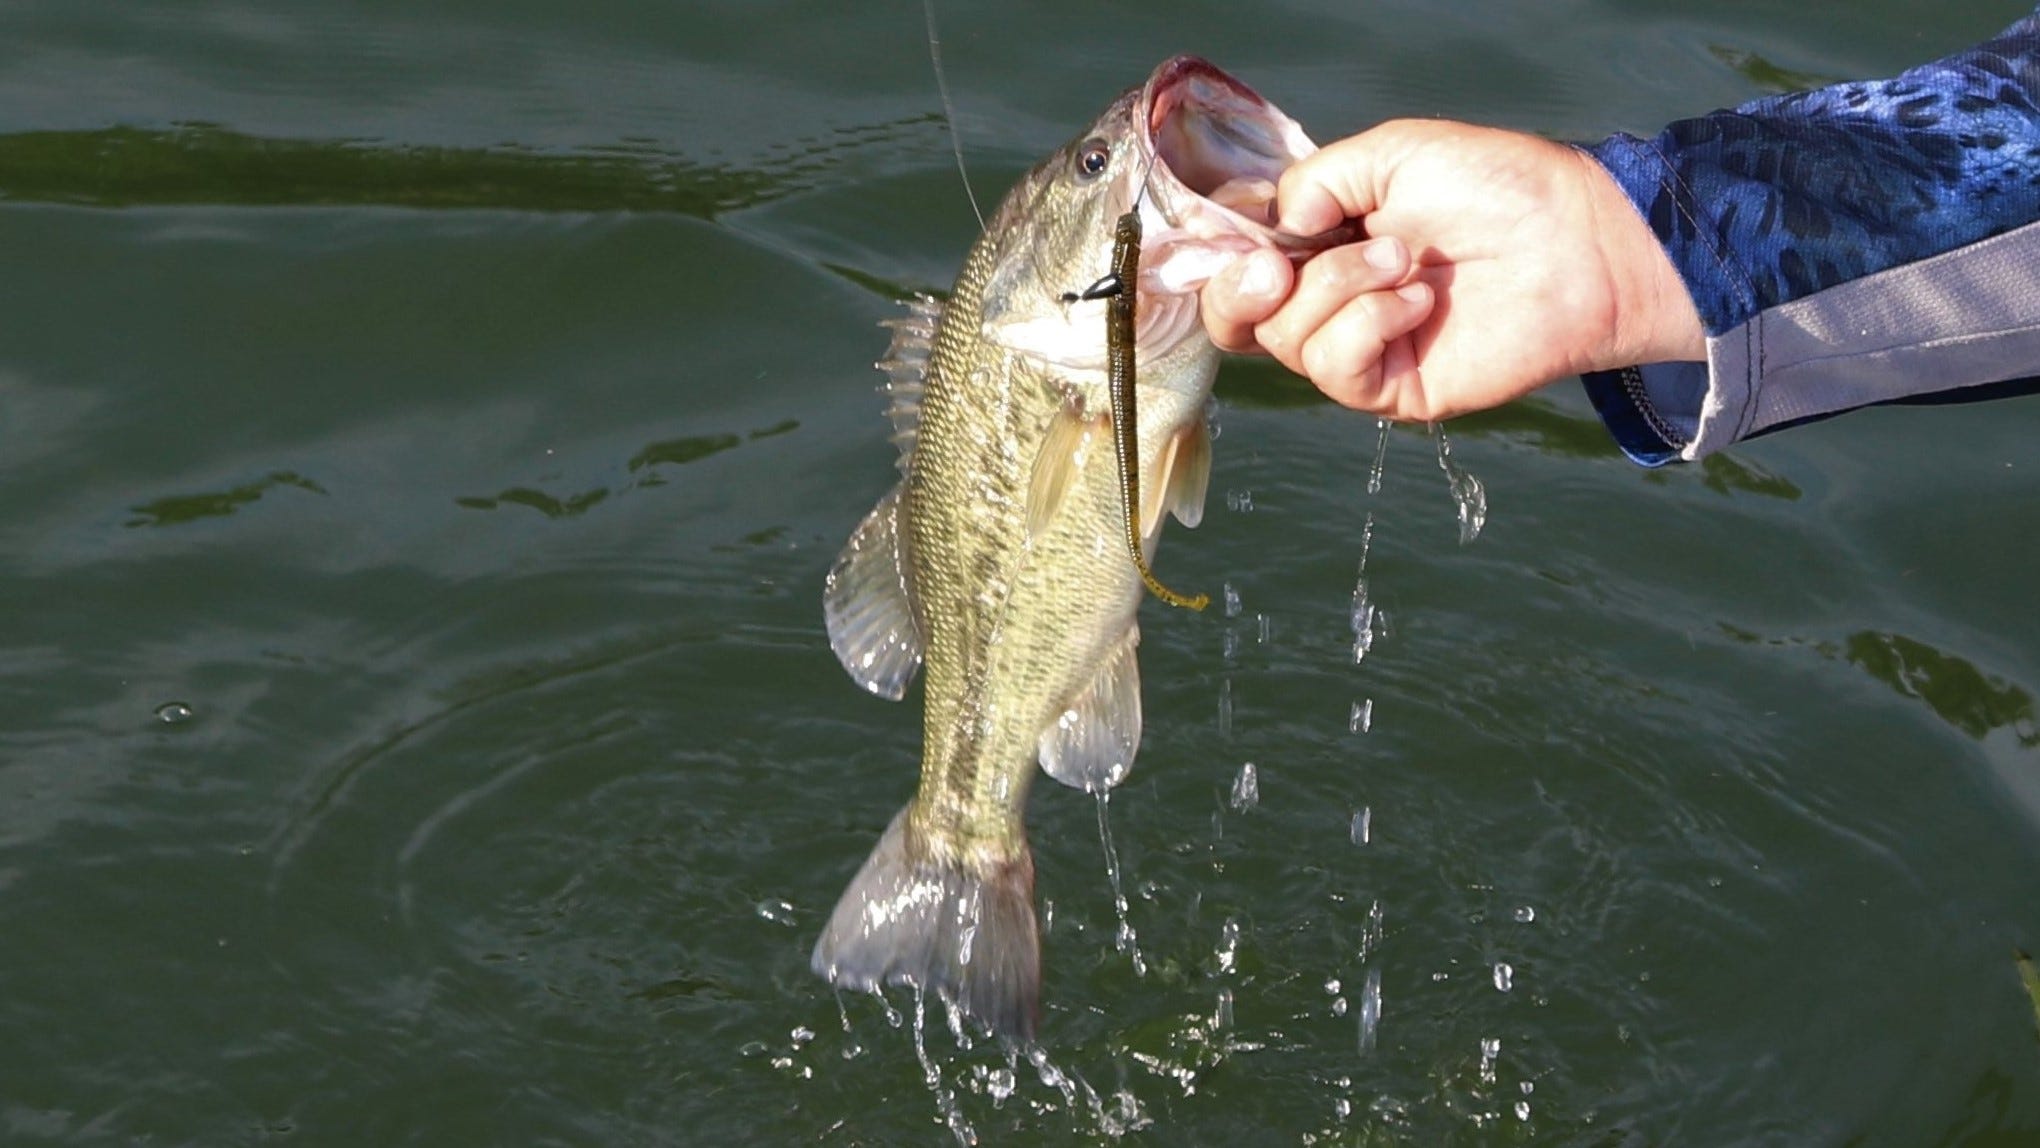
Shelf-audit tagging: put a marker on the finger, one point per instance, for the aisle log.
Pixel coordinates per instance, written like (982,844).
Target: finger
(1356,356)
(1324,286)
(1338,182)
(1242,295)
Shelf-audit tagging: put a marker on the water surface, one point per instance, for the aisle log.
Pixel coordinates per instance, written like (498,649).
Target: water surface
(425,431)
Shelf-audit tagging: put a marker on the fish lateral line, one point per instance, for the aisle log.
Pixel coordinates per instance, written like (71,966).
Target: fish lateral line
(1116,288)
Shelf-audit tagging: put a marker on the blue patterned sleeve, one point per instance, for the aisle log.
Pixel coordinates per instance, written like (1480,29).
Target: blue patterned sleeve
(1767,207)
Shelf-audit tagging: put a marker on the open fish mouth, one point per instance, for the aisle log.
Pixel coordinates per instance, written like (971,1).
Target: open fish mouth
(1214,150)
(1217,150)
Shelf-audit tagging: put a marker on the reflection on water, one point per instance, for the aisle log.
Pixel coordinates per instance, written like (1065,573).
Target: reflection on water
(1766,75)
(210,164)
(1962,695)
(183,508)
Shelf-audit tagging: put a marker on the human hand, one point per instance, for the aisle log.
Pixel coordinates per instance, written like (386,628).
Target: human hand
(1496,262)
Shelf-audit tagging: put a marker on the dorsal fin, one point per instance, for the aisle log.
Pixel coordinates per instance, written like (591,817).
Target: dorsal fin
(906,370)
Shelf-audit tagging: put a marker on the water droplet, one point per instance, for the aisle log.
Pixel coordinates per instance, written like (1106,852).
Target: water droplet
(777,912)
(1228,945)
(1505,977)
(1229,646)
(1363,613)
(1361,719)
(1124,939)
(1490,1051)
(1342,1108)
(1000,1084)
(801,1035)
(1232,601)
(1523,1110)
(1467,492)
(1338,1006)
(1246,788)
(1241,501)
(1370,1010)
(1225,708)
(1363,825)
(1380,456)
(1525,914)
(1222,1012)
(174,713)
(1332,986)
(1261,621)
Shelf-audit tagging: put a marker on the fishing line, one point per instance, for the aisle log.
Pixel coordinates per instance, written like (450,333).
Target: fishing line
(949,109)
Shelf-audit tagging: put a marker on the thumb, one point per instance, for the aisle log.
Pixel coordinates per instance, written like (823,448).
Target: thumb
(1340,181)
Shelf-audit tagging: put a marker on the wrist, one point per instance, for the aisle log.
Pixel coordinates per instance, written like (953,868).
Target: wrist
(1654,318)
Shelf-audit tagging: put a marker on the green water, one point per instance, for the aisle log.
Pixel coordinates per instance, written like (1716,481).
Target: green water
(454,408)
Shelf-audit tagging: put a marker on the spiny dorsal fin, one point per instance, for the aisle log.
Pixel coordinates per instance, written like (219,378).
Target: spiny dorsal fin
(906,370)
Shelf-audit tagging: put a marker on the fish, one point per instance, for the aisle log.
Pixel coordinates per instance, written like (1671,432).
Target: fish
(997,566)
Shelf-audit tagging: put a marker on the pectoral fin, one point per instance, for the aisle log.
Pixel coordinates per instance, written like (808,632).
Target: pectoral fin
(1178,480)
(1091,746)
(869,606)
(1067,448)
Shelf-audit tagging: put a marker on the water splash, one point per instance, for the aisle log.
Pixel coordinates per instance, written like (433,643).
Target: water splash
(1246,788)
(1363,825)
(1232,601)
(1370,932)
(1380,456)
(1363,615)
(851,1048)
(945,1100)
(1126,1116)
(1370,1011)
(1362,718)
(1490,1051)
(1240,501)
(1228,952)
(1125,939)
(1467,492)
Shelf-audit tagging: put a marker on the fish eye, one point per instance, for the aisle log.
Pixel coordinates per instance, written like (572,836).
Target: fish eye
(1093,159)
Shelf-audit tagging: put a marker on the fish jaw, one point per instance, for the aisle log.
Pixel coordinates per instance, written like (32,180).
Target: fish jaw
(1198,154)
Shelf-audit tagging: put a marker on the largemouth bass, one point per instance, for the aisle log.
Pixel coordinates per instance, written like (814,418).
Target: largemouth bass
(999,561)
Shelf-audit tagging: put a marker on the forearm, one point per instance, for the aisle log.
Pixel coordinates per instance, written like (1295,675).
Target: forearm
(1864,243)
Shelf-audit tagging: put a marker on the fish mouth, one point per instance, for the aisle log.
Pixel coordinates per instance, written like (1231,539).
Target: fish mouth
(1217,148)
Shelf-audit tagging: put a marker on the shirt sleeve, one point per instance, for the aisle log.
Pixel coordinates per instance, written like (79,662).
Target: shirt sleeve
(1864,243)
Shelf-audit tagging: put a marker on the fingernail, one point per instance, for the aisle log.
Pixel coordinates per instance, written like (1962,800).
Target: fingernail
(1413,292)
(1385,253)
(1258,275)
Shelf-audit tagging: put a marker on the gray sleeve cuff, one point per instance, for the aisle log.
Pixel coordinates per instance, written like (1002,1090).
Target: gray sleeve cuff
(1957,320)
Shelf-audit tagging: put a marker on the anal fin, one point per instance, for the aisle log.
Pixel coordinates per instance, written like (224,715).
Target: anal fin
(1091,745)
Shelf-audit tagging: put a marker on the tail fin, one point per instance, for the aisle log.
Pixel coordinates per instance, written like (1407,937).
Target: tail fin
(911,918)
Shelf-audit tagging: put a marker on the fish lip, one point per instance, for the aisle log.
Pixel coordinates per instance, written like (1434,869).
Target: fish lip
(1259,142)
